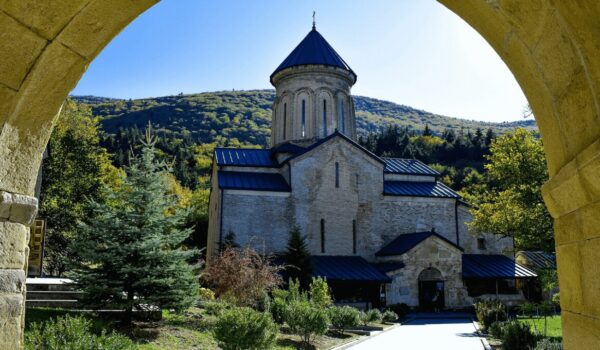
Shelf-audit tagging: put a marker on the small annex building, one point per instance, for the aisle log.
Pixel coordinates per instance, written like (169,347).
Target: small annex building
(381,230)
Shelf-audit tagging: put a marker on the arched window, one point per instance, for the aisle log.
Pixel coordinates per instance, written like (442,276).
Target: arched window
(284,120)
(303,118)
(324,118)
(322,235)
(337,175)
(353,236)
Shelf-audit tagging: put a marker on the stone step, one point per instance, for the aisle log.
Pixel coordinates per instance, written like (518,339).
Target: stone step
(53,295)
(49,284)
(65,304)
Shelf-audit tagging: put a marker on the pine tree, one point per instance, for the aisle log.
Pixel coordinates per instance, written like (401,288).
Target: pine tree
(130,250)
(297,258)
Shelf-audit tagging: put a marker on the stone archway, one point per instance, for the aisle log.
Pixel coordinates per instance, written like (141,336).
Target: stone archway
(552,48)
(431,289)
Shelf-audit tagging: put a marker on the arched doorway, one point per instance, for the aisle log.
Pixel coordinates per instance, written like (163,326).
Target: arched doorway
(431,290)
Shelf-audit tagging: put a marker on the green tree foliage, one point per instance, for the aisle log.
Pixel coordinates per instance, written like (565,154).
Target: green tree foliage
(511,204)
(130,250)
(244,328)
(75,171)
(297,258)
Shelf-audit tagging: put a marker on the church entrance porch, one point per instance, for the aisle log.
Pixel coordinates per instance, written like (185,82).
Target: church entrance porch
(431,290)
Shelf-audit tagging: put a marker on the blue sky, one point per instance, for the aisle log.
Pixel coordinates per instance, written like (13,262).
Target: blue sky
(416,53)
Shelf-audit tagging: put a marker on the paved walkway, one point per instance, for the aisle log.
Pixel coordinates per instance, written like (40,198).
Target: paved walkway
(426,334)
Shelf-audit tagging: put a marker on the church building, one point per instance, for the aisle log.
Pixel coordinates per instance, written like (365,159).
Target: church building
(381,230)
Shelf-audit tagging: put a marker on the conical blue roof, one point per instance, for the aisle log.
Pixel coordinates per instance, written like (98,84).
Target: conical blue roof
(313,49)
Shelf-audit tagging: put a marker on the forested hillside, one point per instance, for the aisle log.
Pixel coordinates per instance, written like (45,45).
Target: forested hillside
(244,116)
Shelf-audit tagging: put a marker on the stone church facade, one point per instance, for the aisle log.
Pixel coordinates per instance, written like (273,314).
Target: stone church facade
(387,224)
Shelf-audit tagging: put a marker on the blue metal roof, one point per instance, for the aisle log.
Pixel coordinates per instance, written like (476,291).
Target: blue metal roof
(418,189)
(313,49)
(347,268)
(235,180)
(386,267)
(408,167)
(244,157)
(493,266)
(538,259)
(407,241)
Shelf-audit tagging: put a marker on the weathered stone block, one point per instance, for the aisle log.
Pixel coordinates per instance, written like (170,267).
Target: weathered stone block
(12,281)
(11,332)
(567,228)
(588,221)
(26,132)
(583,332)
(45,17)
(6,100)
(20,49)
(11,305)
(5,203)
(590,284)
(101,20)
(569,277)
(23,209)
(12,245)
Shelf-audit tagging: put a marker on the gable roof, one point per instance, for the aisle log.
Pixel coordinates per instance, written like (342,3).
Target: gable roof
(418,189)
(313,49)
(251,157)
(406,242)
(347,268)
(235,180)
(335,134)
(408,167)
(493,266)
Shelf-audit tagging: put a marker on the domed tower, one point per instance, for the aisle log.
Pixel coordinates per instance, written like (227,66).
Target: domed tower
(313,98)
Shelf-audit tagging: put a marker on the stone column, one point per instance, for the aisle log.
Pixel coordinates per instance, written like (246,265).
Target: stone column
(17,213)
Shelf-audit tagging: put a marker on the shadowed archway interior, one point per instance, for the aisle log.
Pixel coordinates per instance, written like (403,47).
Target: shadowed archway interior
(552,48)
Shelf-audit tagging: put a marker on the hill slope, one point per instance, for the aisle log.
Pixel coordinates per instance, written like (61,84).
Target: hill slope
(245,116)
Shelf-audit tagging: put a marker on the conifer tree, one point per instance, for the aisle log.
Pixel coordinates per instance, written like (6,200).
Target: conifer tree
(130,251)
(297,258)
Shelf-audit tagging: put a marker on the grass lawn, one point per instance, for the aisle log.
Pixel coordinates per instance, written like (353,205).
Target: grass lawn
(537,323)
(190,330)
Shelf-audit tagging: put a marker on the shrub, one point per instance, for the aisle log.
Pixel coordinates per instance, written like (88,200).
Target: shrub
(556,299)
(319,292)
(399,309)
(73,333)
(547,344)
(370,316)
(206,294)
(517,336)
(496,328)
(306,320)
(278,309)
(389,316)
(242,277)
(245,328)
(489,311)
(344,317)
(216,308)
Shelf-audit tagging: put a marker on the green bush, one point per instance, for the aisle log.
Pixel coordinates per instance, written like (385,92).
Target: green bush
(73,333)
(547,344)
(344,317)
(400,309)
(216,308)
(319,292)
(244,328)
(489,311)
(495,329)
(389,316)
(370,316)
(278,308)
(306,320)
(517,336)
(206,294)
